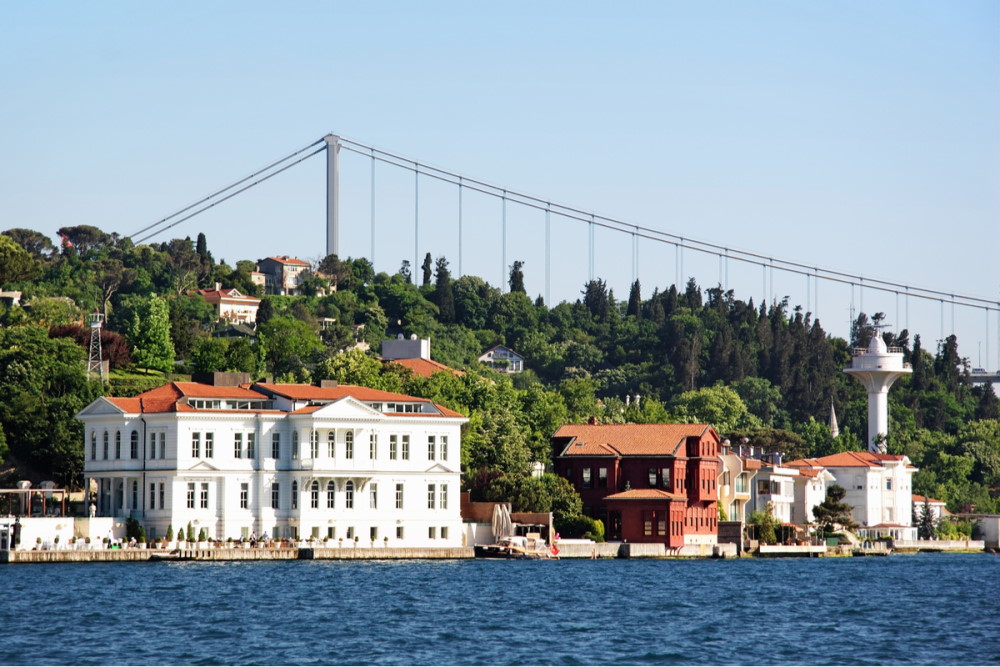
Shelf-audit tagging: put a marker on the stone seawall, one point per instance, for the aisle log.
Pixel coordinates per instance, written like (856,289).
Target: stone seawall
(124,555)
(386,554)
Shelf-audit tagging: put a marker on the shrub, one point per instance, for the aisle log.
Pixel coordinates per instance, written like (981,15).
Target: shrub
(581,526)
(170,532)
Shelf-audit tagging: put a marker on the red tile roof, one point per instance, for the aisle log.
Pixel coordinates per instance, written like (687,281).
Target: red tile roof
(285,259)
(847,460)
(165,397)
(223,294)
(630,439)
(425,367)
(645,494)
(920,499)
(308,392)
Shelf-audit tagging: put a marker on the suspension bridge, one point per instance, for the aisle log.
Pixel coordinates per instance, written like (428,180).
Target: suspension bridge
(585,224)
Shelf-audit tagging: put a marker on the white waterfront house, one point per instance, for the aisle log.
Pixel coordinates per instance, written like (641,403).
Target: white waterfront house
(345,462)
(877,486)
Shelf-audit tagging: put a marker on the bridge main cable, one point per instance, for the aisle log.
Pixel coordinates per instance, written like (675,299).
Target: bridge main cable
(215,194)
(649,233)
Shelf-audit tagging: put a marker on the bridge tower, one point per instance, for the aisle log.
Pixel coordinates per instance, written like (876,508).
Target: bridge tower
(332,194)
(95,364)
(878,367)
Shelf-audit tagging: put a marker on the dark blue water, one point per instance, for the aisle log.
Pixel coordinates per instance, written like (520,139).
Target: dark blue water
(922,609)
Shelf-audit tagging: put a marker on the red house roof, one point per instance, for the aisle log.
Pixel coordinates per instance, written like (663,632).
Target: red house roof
(630,439)
(165,398)
(424,367)
(645,494)
(847,460)
(285,259)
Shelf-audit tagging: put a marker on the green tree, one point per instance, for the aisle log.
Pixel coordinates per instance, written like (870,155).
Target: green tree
(16,263)
(925,521)
(719,406)
(37,244)
(444,297)
(832,512)
(516,281)
(148,333)
(209,356)
(291,344)
(426,268)
(765,525)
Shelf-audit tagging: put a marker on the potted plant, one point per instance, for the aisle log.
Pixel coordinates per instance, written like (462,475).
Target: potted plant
(181,542)
(385,542)
(203,538)
(356,540)
(340,544)
(56,542)
(86,542)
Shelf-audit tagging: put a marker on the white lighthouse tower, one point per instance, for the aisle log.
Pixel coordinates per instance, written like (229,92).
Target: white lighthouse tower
(878,367)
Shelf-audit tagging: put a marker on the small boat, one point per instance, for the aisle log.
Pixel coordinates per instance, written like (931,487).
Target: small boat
(518,547)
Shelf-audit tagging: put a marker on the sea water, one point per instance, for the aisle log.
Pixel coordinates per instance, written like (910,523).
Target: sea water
(925,609)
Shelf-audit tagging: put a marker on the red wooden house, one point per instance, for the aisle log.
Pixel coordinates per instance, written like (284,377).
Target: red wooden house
(647,482)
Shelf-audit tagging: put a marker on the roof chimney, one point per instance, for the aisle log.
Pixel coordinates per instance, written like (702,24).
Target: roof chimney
(592,421)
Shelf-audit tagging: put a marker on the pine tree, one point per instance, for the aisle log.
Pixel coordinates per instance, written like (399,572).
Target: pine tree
(832,512)
(635,300)
(517,277)
(426,267)
(444,296)
(404,270)
(925,522)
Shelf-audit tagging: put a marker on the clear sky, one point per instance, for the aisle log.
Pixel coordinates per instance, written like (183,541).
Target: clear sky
(860,136)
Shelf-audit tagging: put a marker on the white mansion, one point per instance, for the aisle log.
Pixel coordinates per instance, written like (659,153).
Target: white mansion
(290,460)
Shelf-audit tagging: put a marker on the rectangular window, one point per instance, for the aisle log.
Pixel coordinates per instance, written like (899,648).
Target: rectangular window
(152,445)
(163,493)
(251,442)
(238,445)
(431,448)
(209,445)
(373,495)
(196,445)
(587,483)
(661,524)
(244,495)
(393,447)
(665,478)
(350,532)
(763,487)
(647,523)
(349,445)
(134,445)
(741,483)
(331,444)
(432,532)
(190,495)
(313,444)
(888,485)
(275,496)
(372,446)
(652,478)
(105,445)
(204,495)
(725,478)
(118,445)
(295,445)
(399,532)
(373,533)
(602,478)
(275,445)
(331,495)
(399,496)
(314,495)
(430,496)
(295,495)
(163,446)
(443,497)
(93,446)
(444,448)
(406,448)
(152,496)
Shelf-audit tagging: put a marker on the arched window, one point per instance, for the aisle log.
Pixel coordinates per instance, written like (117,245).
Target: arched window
(295,495)
(134,444)
(105,444)
(313,444)
(349,495)
(314,495)
(331,444)
(295,444)
(331,494)
(349,445)
(118,444)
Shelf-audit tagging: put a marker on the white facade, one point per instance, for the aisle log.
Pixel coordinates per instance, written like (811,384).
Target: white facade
(286,460)
(774,484)
(877,486)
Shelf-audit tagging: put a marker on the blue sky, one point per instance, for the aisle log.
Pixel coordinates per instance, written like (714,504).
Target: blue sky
(853,135)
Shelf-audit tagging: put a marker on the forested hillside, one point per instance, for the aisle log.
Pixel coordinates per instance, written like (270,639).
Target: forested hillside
(766,372)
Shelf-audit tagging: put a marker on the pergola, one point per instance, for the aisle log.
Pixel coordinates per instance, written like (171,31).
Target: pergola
(33,502)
